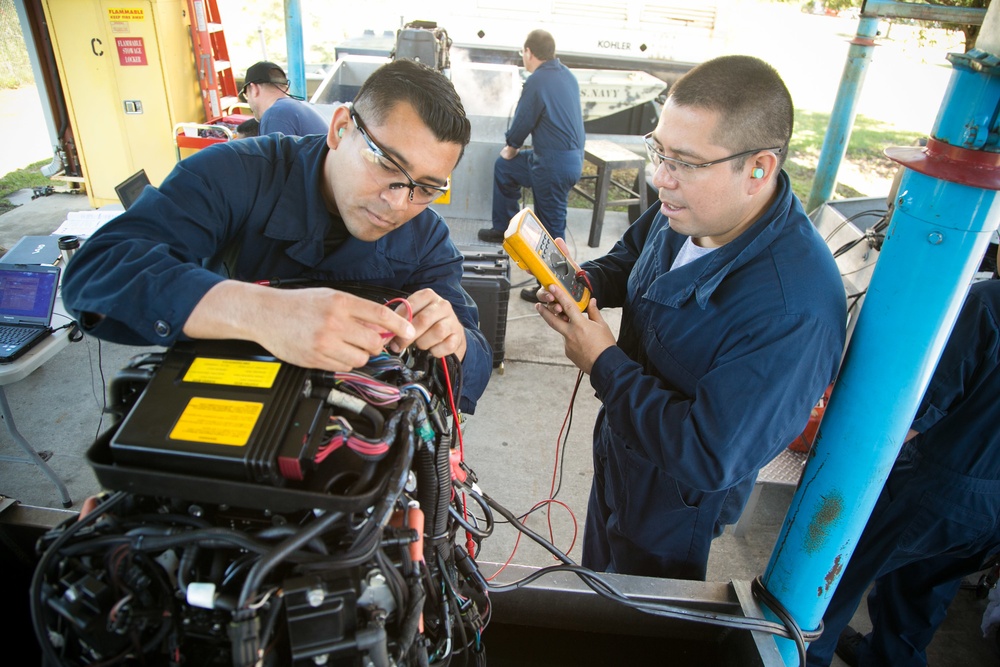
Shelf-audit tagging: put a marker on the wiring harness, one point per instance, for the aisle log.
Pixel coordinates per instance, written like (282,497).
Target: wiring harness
(376,577)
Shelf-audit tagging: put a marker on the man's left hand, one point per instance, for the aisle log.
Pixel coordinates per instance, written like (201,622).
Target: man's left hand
(439,330)
(586,335)
(509,152)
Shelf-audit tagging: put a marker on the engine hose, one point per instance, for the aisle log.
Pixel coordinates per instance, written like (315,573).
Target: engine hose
(186,564)
(411,621)
(434,494)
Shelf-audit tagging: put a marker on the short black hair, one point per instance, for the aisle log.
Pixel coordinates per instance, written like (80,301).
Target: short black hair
(754,105)
(542,44)
(429,92)
(249,128)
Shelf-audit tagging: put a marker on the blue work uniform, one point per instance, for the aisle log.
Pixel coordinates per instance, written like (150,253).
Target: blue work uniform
(717,367)
(549,110)
(293,118)
(937,519)
(253,209)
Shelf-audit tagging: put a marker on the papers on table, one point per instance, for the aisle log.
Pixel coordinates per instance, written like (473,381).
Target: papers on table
(84,223)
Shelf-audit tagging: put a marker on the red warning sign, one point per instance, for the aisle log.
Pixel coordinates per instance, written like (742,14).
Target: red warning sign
(131,51)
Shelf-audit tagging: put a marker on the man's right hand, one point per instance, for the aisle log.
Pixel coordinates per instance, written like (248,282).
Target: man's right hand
(311,327)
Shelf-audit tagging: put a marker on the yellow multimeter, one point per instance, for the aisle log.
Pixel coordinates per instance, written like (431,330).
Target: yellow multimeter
(530,245)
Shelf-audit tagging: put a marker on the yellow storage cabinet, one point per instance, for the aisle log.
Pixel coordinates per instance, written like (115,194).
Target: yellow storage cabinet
(128,74)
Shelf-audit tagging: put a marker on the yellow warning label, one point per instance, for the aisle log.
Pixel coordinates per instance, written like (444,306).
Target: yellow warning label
(217,421)
(234,372)
(127,14)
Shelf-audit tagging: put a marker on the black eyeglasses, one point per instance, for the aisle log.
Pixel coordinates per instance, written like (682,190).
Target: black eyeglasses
(420,193)
(281,85)
(681,170)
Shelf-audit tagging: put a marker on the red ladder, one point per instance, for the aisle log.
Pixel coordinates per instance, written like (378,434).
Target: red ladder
(215,72)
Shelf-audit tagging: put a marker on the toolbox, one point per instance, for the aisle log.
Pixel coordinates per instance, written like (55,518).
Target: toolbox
(486,277)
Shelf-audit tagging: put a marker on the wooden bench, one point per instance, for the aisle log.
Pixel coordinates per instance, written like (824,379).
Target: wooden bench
(609,157)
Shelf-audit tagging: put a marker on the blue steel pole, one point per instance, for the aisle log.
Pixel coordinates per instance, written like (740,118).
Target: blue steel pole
(838,132)
(293,40)
(945,213)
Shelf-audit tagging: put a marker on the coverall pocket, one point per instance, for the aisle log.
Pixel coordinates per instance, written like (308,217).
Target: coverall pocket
(653,511)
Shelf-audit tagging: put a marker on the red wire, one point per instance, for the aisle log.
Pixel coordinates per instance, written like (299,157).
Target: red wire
(454,411)
(552,488)
(409,312)
(555,467)
(525,523)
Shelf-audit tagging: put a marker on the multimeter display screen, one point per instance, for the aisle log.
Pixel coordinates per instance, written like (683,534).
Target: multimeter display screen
(531,231)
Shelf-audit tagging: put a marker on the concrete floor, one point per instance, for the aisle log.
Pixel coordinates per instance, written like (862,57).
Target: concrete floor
(511,442)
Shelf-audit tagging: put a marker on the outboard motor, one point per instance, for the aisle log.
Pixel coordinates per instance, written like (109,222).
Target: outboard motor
(424,42)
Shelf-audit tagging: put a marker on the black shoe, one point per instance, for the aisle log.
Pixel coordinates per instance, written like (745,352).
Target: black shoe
(491,235)
(530,294)
(847,646)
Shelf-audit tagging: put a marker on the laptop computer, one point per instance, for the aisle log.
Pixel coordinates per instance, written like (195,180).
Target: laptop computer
(27,297)
(33,250)
(130,189)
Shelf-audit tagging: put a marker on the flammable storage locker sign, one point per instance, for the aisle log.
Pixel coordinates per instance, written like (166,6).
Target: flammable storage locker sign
(131,50)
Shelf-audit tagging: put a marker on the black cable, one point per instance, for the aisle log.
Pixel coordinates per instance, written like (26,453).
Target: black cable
(860,214)
(488,515)
(545,544)
(476,532)
(766,597)
(565,440)
(604,588)
(37,580)
(279,553)
(608,591)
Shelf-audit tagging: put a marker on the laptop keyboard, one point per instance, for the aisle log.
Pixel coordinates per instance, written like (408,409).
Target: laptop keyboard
(12,336)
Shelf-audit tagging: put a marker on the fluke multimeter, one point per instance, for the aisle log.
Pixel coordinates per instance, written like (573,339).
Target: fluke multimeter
(530,245)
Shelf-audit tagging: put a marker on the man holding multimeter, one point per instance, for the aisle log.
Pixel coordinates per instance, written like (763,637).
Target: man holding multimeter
(733,324)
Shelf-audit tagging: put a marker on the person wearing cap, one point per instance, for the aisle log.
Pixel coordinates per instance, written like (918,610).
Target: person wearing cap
(265,89)
(203,255)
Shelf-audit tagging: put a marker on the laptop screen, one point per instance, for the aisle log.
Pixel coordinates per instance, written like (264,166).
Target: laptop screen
(27,293)
(130,189)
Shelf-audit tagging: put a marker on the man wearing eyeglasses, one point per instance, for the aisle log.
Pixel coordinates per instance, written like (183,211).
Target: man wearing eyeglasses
(549,110)
(199,256)
(265,89)
(733,324)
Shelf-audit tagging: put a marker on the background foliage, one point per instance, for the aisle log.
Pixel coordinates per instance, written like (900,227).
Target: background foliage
(15,68)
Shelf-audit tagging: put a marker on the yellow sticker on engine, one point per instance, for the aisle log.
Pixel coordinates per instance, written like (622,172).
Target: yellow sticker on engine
(233,372)
(217,421)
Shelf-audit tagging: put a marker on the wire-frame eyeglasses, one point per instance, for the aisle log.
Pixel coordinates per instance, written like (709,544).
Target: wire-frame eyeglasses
(681,170)
(420,193)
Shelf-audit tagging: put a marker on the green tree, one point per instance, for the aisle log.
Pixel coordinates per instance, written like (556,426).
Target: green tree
(971,32)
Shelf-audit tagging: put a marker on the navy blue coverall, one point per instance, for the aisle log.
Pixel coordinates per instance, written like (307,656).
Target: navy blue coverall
(937,519)
(293,118)
(253,208)
(717,367)
(549,110)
